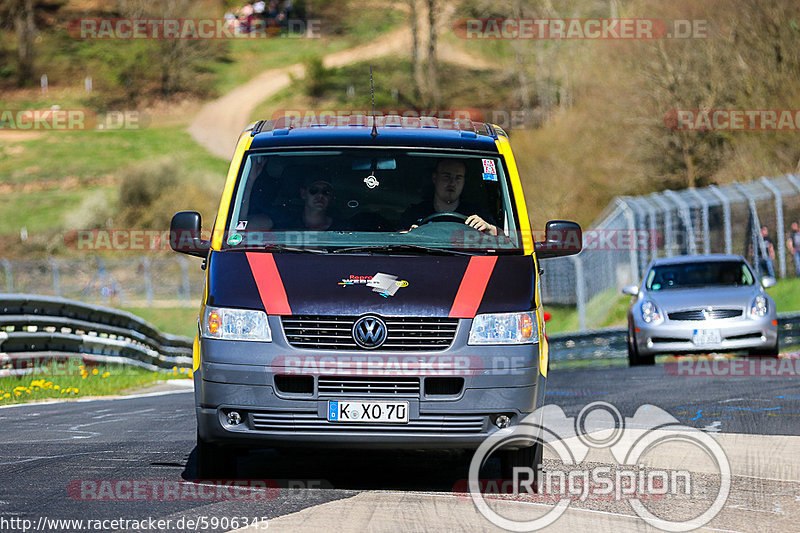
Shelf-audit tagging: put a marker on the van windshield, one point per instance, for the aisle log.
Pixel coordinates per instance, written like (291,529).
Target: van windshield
(359,199)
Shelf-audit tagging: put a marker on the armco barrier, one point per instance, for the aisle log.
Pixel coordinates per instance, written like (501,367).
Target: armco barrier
(610,343)
(40,328)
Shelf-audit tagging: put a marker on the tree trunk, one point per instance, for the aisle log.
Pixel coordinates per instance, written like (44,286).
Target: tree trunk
(25,29)
(416,57)
(433,65)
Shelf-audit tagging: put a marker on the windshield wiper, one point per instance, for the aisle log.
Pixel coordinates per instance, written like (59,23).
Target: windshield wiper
(388,248)
(280,248)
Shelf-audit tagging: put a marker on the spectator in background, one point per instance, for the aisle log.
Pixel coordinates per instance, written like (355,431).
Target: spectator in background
(767,255)
(793,243)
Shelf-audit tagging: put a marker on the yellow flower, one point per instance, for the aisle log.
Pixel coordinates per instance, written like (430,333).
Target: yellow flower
(106,374)
(56,387)
(80,367)
(95,372)
(174,368)
(7,395)
(83,376)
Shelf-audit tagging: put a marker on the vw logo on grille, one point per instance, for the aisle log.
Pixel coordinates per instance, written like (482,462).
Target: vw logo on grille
(707,313)
(369,332)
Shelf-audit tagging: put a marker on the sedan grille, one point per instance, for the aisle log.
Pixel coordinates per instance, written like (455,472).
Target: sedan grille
(705,314)
(335,332)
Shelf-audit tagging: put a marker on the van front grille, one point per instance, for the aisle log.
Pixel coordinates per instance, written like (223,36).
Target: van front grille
(336,332)
(311,422)
(369,386)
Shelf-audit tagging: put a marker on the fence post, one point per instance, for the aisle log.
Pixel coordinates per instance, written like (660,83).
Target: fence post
(667,210)
(778,223)
(56,277)
(9,275)
(633,254)
(757,242)
(148,281)
(726,216)
(686,215)
(185,278)
(580,291)
(706,228)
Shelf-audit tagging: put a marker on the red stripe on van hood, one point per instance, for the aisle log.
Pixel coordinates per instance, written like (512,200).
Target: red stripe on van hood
(269,283)
(473,286)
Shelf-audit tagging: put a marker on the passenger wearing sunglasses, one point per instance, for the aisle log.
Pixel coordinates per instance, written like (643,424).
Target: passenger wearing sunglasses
(317,195)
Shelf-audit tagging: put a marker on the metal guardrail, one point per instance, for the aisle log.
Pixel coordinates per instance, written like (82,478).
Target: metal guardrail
(610,343)
(43,328)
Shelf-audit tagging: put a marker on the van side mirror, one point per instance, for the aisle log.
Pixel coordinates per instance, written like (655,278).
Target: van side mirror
(768,282)
(184,234)
(561,237)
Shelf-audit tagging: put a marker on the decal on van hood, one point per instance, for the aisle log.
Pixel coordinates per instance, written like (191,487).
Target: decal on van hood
(305,284)
(384,284)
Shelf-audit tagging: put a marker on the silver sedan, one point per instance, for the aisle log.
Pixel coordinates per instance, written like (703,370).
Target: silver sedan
(700,304)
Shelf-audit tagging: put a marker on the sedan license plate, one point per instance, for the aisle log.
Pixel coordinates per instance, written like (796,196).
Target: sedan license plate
(704,337)
(368,412)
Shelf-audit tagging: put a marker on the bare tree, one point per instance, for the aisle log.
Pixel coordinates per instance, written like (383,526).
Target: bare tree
(22,12)
(416,56)
(435,94)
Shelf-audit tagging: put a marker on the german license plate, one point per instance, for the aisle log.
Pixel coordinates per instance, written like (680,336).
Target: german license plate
(704,337)
(367,412)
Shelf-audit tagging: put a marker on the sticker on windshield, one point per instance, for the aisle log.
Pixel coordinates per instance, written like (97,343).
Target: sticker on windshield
(234,239)
(241,226)
(489,170)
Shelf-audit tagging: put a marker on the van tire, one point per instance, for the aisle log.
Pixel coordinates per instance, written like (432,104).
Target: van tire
(530,456)
(215,461)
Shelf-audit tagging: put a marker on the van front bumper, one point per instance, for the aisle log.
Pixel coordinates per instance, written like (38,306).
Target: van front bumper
(507,381)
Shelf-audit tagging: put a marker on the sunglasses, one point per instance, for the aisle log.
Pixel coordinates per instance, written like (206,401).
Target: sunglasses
(327,191)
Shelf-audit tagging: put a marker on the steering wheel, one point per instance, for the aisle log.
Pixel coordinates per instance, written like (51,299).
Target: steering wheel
(445,214)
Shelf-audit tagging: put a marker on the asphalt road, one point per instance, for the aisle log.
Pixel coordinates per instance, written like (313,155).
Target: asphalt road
(47,450)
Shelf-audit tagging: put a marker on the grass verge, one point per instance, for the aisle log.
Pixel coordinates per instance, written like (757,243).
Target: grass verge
(174,320)
(68,381)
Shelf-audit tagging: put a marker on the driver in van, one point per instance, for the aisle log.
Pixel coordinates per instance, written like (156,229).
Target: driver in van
(448,183)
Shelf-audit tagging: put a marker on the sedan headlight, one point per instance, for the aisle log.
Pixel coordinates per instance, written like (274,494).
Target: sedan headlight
(651,314)
(504,328)
(236,324)
(758,307)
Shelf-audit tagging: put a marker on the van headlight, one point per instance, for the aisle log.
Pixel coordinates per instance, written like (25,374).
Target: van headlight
(504,328)
(236,324)
(651,314)
(758,307)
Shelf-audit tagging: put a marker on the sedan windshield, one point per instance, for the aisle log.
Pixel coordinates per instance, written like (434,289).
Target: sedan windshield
(373,201)
(701,274)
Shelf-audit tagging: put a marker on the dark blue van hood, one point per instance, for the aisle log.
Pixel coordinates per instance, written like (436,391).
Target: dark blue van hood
(305,284)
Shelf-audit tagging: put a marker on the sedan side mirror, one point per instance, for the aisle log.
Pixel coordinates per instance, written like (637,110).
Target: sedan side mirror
(768,282)
(632,290)
(561,237)
(184,234)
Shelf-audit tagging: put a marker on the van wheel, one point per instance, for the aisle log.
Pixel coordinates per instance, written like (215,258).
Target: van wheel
(634,357)
(215,461)
(529,457)
(772,351)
